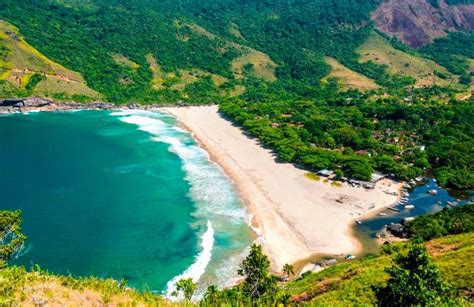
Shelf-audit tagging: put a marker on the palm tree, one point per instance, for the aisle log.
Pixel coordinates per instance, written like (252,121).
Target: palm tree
(288,270)
(187,286)
(211,294)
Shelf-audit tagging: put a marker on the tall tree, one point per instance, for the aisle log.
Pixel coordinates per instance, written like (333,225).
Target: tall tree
(414,280)
(256,270)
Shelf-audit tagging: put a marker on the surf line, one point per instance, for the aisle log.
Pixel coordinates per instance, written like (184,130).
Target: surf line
(197,269)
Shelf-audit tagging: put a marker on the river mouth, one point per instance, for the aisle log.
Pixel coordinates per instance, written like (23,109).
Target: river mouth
(116,194)
(423,200)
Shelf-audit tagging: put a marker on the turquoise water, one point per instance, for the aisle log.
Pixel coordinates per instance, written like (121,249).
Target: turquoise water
(119,194)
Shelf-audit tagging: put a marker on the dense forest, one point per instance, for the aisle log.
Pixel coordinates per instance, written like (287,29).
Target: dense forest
(356,135)
(190,35)
(266,63)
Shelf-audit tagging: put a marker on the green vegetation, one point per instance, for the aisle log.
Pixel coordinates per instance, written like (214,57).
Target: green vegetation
(288,72)
(11,237)
(141,50)
(400,59)
(413,281)
(419,275)
(187,287)
(288,270)
(19,286)
(258,282)
(24,71)
(356,282)
(358,134)
(446,222)
(453,52)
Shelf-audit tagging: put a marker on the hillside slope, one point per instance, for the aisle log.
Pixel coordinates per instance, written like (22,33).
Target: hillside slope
(426,72)
(351,283)
(207,52)
(24,71)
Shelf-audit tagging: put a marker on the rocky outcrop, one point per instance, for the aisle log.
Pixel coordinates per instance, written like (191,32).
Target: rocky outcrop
(21,105)
(392,230)
(25,102)
(418,22)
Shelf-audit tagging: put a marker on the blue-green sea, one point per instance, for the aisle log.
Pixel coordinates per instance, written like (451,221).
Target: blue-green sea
(125,194)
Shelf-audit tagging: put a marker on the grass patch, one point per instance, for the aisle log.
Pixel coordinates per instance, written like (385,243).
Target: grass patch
(263,67)
(312,176)
(349,79)
(234,30)
(23,61)
(19,286)
(378,50)
(350,283)
(124,61)
(55,84)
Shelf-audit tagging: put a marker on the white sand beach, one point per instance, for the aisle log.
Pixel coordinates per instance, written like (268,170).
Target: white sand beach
(297,217)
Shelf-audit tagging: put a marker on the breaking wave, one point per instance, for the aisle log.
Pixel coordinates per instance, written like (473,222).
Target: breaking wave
(211,191)
(197,269)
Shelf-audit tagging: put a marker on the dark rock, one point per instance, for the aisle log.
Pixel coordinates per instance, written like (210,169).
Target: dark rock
(326,262)
(418,22)
(36,102)
(10,102)
(397,230)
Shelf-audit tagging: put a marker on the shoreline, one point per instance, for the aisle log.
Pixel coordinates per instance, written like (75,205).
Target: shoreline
(293,223)
(34,104)
(322,225)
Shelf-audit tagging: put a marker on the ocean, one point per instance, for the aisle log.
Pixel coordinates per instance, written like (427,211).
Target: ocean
(124,194)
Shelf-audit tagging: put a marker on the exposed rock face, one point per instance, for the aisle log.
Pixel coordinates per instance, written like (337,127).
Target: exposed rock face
(417,22)
(17,105)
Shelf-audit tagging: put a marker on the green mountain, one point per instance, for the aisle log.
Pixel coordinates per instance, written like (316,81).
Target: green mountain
(166,51)
(356,86)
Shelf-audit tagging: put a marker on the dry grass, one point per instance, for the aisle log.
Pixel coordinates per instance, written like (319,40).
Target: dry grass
(183,77)
(56,84)
(187,77)
(124,61)
(234,30)
(201,31)
(349,79)
(39,289)
(158,75)
(263,66)
(24,61)
(237,91)
(378,50)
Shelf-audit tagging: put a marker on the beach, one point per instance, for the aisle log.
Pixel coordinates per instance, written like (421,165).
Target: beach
(295,217)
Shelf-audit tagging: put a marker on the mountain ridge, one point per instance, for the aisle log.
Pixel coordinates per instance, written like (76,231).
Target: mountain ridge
(197,44)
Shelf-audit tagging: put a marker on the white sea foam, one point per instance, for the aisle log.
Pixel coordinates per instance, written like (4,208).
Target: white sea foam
(213,194)
(209,186)
(197,269)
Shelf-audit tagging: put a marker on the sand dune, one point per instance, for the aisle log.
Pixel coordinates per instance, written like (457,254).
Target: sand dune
(297,217)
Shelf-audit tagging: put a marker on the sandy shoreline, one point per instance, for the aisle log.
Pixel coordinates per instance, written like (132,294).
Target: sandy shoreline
(297,217)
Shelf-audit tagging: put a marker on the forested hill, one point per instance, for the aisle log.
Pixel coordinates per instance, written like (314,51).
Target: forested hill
(206,51)
(324,83)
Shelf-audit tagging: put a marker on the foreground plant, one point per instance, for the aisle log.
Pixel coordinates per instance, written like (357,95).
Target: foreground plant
(187,287)
(256,270)
(414,281)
